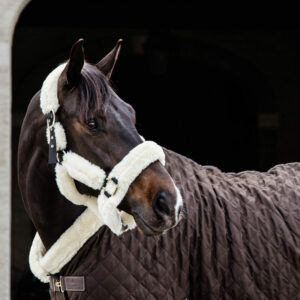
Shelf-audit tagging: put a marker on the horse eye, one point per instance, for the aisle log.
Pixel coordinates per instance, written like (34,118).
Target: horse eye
(92,124)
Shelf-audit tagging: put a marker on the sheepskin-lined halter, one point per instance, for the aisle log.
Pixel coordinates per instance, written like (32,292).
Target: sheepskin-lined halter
(69,166)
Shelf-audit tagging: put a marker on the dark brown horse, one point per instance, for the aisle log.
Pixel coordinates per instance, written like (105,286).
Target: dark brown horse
(240,239)
(100,127)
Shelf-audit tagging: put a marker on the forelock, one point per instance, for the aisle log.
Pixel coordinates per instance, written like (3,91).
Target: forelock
(94,92)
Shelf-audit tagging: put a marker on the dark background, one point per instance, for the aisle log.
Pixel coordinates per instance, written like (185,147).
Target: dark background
(221,91)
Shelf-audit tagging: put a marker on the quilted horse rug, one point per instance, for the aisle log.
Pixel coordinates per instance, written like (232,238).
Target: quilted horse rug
(238,239)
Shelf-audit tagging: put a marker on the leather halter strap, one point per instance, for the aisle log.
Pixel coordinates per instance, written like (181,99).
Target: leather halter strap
(67,283)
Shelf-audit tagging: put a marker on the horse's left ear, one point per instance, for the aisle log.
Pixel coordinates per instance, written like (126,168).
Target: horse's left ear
(107,63)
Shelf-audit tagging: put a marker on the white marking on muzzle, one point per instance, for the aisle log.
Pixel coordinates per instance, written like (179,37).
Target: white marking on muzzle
(178,205)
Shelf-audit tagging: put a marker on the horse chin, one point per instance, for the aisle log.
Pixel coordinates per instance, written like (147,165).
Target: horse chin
(145,228)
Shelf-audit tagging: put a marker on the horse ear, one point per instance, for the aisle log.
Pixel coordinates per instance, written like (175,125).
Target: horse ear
(107,63)
(74,66)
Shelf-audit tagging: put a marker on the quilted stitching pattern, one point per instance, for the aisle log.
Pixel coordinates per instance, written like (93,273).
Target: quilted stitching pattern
(240,240)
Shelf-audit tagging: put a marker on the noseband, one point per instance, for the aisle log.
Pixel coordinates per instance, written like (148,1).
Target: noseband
(70,166)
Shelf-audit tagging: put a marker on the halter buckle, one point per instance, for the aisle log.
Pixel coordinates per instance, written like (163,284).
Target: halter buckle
(50,119)
(115,181)
(58,285)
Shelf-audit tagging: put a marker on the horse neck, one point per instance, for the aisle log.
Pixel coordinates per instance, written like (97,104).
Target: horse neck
(182,169)
(195,185)
(49,211)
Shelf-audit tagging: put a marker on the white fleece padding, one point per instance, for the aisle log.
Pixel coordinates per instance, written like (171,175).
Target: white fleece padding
(60,136)
(37,251)
(126,172)
(127,220)
(48,99)
(67,187)
(83,171)
(65,248)
(76,167)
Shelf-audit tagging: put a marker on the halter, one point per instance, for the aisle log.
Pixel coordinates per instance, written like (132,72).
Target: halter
(70,166)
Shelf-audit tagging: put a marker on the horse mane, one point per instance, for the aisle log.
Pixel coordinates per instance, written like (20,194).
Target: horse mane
(94,92)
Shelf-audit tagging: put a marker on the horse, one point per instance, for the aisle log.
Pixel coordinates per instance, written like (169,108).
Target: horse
(235,236)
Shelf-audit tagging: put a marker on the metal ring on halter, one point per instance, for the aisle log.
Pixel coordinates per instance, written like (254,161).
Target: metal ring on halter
(59,155)
(49,126)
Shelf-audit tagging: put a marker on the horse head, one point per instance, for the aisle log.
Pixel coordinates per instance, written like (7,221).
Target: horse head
(100,127)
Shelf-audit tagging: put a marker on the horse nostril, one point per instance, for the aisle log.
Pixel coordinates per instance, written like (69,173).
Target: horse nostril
(161,204)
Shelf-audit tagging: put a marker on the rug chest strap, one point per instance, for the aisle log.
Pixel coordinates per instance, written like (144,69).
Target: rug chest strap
(67,283)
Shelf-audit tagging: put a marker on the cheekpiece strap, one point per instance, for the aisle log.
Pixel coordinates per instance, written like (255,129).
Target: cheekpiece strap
(52,143)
